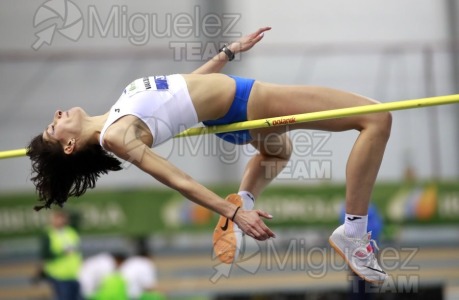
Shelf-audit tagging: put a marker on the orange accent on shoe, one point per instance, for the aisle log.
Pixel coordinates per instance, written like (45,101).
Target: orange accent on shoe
(224,237)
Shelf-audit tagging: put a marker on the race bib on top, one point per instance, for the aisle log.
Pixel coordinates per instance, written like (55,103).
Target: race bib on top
(154,83)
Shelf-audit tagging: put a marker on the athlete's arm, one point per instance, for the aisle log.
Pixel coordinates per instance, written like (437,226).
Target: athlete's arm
(216,64)
(163,171)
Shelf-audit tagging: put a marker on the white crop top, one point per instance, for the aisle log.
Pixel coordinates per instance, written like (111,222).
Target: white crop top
(161,102)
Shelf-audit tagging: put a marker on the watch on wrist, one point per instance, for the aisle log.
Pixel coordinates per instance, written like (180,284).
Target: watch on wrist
(227,51)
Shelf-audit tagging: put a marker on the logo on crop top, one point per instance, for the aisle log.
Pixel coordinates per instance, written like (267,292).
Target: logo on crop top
(117,110)
(161,82)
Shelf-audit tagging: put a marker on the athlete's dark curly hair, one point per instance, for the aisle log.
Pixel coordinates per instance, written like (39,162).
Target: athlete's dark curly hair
(58,176)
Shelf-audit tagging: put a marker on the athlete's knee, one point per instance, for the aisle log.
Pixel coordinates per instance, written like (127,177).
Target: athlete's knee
(277,146)
(289,147)
(381,123)
(385,123)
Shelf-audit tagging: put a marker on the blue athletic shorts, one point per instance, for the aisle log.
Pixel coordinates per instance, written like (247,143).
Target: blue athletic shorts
(236,113)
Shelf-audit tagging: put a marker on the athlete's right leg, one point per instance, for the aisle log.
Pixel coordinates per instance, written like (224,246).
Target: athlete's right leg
(350,240)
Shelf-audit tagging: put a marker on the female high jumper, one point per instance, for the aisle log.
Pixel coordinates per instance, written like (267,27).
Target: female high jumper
(76,148)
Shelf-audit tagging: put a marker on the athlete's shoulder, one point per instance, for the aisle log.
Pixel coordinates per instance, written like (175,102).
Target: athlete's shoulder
(115,135)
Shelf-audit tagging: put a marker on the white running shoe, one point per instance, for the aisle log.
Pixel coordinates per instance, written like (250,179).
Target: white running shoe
(359,255)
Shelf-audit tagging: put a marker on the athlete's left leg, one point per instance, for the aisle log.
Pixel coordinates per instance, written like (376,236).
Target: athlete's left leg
(274,151)
(268,100)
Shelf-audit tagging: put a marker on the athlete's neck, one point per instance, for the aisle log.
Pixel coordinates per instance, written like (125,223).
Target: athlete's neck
(91,129)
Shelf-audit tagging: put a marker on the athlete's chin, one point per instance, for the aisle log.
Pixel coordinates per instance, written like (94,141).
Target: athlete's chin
(76,111)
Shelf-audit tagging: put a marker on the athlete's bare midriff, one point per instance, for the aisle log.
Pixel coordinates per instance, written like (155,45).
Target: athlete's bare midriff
(211,94)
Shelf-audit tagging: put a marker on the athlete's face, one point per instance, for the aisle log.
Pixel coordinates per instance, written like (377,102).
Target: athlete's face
(65,127)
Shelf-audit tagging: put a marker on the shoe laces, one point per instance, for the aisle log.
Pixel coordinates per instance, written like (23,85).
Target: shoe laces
(375,245)
(367,241)
(369,244)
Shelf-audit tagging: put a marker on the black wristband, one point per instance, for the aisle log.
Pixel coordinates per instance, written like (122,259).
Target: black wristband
(235,212)
(227,51)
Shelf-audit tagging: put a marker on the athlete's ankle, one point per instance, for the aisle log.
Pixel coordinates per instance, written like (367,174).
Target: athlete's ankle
(355,226)
(248,199)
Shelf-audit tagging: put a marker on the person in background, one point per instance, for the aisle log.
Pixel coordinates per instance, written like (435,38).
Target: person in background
(100,277)
(61,257)
(113,286)
(140,274)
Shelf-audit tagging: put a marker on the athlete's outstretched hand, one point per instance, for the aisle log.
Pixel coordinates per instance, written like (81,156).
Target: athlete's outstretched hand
(251,224)
(247,42)
(216,64)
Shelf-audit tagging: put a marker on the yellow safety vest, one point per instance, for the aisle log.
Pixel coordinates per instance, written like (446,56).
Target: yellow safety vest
(112,287)
(64,266)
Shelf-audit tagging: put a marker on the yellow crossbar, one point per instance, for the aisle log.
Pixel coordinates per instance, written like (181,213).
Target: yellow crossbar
(301,118)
